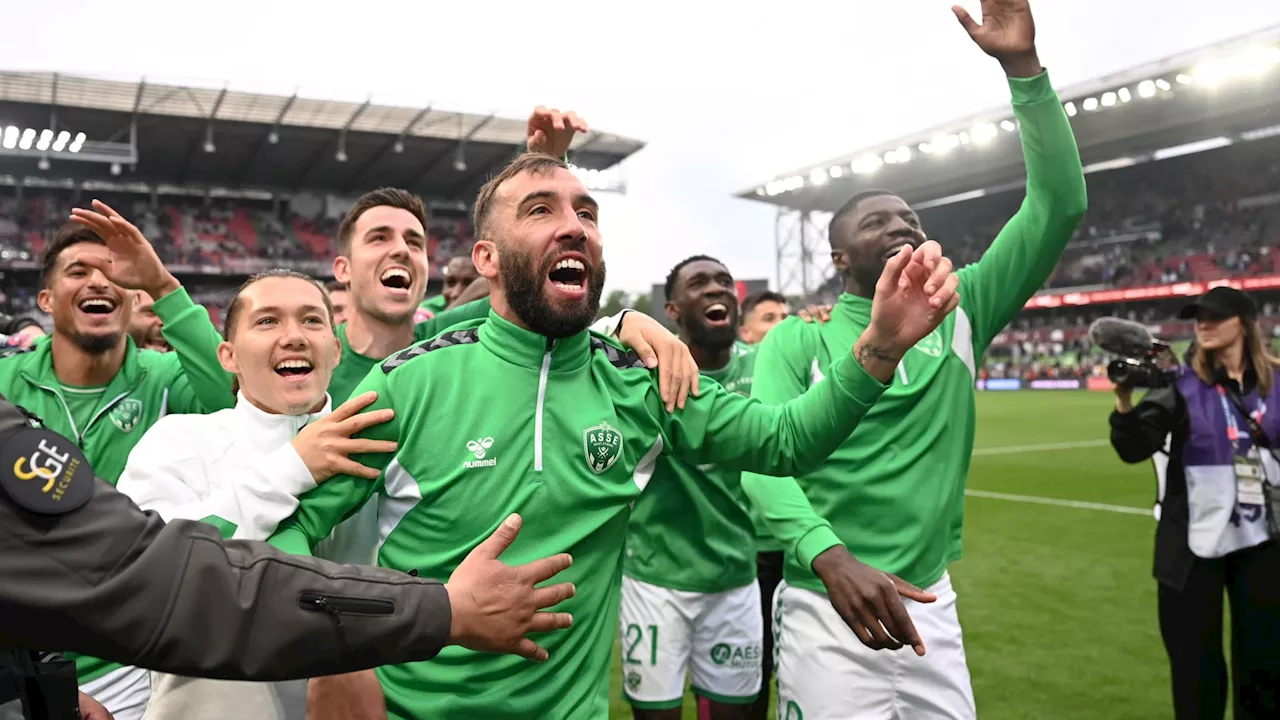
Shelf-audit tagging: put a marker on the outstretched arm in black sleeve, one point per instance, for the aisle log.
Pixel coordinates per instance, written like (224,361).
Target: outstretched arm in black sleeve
(1140,432)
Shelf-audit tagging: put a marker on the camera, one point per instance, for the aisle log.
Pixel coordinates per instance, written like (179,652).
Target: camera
(1138,350)
(1139,372)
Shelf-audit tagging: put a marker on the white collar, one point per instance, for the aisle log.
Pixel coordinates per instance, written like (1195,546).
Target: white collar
(293,423)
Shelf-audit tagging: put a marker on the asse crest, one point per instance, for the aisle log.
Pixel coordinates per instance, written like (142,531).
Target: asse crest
(126,414)
(602,444)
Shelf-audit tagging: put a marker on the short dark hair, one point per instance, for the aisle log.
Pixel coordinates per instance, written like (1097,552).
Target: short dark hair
(237,301)
(385,196)
(675,271)
(530,162)
(336,286)
(67,235)
(750,302)
(847,209)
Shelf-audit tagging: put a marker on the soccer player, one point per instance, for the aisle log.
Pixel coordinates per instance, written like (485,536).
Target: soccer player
(90,383)
(340,298)
(145,326)
(893,495)
(527,411)
(690,602)
(760,312)
(459,274)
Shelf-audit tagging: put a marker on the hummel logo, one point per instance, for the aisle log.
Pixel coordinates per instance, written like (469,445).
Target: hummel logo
(479,448)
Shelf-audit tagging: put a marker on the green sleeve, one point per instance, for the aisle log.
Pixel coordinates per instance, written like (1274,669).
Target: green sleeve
(1024,253)
(474,310)
(739,433)
(434,304)
(320,510)
(782,373)
(199,384)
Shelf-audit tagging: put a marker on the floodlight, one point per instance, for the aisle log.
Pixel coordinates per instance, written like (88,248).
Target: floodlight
(836,171)
(925,148)
(1008,125)
(28,138)
(818,177)
(1182,78)
(984,132)
(1091,104)
(1124,95)
(1146,88)
(77,143)
(46,139)
(10,137)
(1070,107)
(61,143)
(1108,99)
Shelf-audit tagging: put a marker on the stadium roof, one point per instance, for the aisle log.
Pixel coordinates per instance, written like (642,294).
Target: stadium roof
(1191,102)
(158,133)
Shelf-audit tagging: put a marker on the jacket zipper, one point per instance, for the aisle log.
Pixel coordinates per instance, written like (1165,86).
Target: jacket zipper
(542,398)
(336,605)
(78,432)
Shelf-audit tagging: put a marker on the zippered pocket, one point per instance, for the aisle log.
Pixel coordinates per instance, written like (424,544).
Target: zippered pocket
(338,605)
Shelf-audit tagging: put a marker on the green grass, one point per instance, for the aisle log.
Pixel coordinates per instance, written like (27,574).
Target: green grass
(1058,603)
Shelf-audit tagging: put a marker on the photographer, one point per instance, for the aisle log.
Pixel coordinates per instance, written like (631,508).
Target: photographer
(1210,428)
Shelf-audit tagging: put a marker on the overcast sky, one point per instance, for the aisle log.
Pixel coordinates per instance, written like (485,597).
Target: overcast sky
(725,96)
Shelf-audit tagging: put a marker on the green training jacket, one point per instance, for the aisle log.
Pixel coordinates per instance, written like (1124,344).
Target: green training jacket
(492,419)
(893,493)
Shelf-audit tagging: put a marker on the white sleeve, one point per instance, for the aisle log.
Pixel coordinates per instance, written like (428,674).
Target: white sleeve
(610,325)
(250,496)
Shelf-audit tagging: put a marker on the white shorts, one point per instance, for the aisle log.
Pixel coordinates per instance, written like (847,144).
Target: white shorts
(715,637)
(825,672)
(124,692)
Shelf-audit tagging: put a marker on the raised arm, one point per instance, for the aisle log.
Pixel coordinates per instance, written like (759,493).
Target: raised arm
(197,382)
(1024,253)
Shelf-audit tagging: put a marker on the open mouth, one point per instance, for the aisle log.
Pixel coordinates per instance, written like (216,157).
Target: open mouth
(294,369)
(716,314)
(97,306)
(569,276)
(396,278)
(895,249)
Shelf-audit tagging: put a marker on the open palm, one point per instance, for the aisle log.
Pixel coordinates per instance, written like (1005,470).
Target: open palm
(1007,27)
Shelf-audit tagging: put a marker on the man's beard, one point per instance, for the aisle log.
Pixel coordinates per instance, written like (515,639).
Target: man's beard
(713,339)
(523,284)
(96,344)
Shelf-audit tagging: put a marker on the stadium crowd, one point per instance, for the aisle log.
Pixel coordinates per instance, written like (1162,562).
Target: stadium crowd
(721,541)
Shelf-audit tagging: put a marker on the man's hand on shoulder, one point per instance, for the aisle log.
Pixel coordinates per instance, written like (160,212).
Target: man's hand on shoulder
(326,445)
(130,261)
(870,601)
(659,348)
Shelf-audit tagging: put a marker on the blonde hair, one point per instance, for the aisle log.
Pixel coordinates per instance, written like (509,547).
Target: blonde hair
(1204,362)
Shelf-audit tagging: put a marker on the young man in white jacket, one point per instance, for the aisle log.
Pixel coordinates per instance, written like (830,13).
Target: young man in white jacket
(241,469)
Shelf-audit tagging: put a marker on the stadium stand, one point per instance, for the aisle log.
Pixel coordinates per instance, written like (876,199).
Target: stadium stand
(227,183)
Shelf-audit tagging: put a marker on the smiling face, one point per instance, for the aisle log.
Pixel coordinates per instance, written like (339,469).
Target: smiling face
(281,346)
(704,304)
(145,326)
(541,250)
(384,264)
(87,308)
(874,230)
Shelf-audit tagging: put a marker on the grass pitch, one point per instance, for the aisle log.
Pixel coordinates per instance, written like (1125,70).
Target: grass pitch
(1056,598)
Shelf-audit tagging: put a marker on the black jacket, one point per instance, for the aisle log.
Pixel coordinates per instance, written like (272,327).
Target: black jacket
(112,581)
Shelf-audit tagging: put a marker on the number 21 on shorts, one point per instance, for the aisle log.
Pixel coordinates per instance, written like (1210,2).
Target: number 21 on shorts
(633,641)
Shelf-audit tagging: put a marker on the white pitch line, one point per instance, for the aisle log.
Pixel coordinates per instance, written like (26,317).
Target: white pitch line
(1125,509)
(1015,449)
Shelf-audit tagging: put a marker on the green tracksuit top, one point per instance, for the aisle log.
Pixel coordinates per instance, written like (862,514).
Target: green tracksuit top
(354,367)
(492,419)
(148,386)
(893,493)
(690,529)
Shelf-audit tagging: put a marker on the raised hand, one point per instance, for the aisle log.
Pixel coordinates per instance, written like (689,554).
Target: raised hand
(551,131)
(1007,33)
(870,601)
(130,261)
(326,445)
(495,606)
(916,291)
(658,347)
